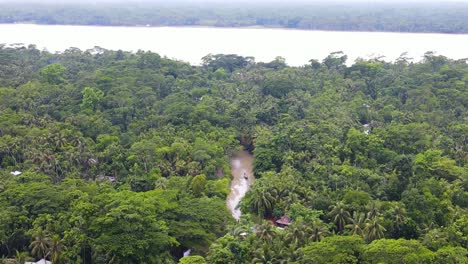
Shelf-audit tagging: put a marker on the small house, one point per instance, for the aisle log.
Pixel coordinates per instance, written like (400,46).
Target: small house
(283,221)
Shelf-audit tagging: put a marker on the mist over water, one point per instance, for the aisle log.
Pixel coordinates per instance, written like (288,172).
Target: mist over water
(191,43)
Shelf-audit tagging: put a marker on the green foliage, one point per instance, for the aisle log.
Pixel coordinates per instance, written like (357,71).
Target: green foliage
(334,249)
(53,73)
(229,249)
(356,199)
(220,63)
(397,251)
(298,210)
(125,158)
(452,255)
(219,188)
(133,219)
(198,185)
(91,98)
(192,260)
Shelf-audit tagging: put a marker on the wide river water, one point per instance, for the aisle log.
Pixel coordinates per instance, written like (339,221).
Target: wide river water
(192,43)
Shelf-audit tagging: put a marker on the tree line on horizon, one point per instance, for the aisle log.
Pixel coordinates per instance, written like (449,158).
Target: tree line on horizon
(390,17)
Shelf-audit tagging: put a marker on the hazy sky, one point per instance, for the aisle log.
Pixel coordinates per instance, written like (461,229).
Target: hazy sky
(228,2)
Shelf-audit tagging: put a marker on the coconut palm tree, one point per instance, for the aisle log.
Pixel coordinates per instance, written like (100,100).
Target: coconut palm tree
(40,246)
(59,140)
(262,202)
(373,230)
(357,224)
(373,210)
(266,231)
(318,231)
(21,257)
(296,234)
(428,227)
(290,199)
(290,254)
(265,255)
(241,230)
(56,250)
(339,215)
(399,215)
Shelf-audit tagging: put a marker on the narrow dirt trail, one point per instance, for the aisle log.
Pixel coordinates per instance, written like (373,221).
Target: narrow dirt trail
(242,179)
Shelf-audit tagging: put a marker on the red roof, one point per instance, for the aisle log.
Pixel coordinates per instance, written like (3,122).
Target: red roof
(284,220)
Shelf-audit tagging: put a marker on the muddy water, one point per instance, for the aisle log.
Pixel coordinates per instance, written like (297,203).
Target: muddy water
(242,178)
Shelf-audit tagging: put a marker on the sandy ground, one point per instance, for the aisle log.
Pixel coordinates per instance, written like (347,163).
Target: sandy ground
(242,178)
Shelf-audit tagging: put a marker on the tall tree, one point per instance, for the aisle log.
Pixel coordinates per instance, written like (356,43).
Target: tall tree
(339,215)
(373,229)
(317,231)
(357,224)
(40,247)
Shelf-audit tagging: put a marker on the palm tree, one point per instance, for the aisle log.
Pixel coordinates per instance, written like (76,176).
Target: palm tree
(339,216)
(240,231)
(373,210)
(21,257)
(266,231)
(40,246)
(2,186)
(262,202)
(265,255)
(290,254)
(357,224)
(317,231)
(428,227)
(290,199)
(59,140)
(373,230)
(296,234)
(56,249)
(399,214)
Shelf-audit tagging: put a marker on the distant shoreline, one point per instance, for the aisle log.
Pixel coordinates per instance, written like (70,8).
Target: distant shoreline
(232,27)
(443,18)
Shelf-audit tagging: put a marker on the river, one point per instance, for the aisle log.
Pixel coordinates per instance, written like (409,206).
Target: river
(242,179)
(192,43)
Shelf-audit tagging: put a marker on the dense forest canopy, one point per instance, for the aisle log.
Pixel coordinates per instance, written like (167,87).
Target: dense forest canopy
(124,158)
(440,17)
